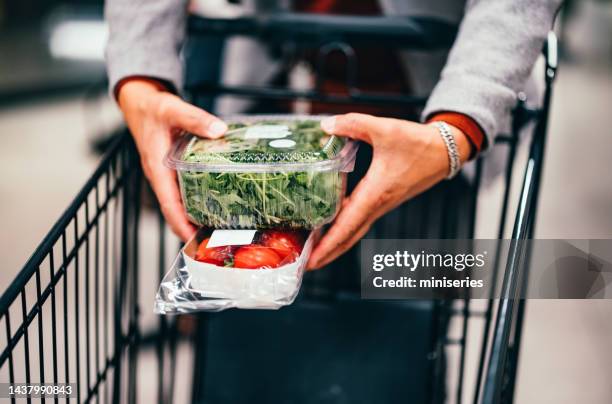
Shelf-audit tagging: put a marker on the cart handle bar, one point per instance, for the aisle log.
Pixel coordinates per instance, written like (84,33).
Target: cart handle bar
(422,33)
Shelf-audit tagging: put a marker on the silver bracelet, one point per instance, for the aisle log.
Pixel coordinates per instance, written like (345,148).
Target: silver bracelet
(451,148)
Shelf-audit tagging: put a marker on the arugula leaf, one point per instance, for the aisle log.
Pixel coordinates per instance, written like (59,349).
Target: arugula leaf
(303,199)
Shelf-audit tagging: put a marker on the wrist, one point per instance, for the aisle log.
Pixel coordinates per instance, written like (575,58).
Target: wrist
(463,144)
(453,146)
(464,148)
(467,125)
(136,88)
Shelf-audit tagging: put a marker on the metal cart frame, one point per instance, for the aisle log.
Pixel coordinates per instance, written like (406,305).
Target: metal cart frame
(83,323)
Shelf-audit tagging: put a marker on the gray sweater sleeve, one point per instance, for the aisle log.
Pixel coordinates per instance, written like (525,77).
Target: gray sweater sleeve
(145,39)
(493,55)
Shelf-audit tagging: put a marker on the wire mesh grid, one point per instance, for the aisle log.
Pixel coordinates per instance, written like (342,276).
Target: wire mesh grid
(71,315)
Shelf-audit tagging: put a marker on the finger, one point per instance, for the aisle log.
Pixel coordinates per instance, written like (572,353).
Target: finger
(165,189)
(180,114)
(164,184)
(358,212)
(358,126)
(318,263)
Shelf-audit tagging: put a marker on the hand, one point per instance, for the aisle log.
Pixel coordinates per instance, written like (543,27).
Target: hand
(408,158)
(155,118)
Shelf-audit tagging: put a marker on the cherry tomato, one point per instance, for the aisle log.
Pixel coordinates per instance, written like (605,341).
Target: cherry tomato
(255,256)
(214,255)
(284,243)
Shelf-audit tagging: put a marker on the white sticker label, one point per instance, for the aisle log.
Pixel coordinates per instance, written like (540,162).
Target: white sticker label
(220,238)
(267,132)
(282,143)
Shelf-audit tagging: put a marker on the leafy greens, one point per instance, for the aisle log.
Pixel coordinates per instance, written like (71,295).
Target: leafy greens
(301,199)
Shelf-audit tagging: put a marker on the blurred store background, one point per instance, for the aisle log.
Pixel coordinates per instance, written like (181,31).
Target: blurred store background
(55,117)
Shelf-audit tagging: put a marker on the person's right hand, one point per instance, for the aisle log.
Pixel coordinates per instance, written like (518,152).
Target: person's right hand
(155,118)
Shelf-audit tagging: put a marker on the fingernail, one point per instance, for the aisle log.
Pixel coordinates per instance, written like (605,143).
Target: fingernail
(328,124)
(217,128)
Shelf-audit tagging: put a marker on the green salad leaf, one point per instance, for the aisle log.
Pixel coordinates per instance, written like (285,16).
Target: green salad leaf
(302,199)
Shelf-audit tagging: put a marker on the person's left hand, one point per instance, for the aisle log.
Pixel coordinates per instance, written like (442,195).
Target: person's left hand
(408,158)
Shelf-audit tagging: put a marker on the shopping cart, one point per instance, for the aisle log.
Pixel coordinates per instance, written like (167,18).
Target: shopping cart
(74,312)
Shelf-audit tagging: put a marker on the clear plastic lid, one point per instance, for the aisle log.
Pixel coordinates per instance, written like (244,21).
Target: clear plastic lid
(265,143)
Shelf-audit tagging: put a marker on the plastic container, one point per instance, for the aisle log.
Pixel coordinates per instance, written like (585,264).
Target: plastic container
(245,269)
(267,171)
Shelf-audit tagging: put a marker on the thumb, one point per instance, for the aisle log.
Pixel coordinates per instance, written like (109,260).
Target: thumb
(182,115)
(357,126)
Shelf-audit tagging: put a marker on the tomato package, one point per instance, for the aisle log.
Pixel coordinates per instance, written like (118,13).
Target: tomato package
(221,269)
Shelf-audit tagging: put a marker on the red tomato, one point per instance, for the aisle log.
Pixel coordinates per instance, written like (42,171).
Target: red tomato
(284,243)
(214,255)
(255,256)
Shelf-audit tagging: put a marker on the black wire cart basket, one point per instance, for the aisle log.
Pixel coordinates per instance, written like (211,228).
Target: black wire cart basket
(79,311)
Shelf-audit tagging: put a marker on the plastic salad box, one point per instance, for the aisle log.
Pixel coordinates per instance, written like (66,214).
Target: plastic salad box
(222,269)
(267,171)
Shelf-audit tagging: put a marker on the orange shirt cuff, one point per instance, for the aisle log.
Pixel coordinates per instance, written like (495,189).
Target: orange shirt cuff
(465,124)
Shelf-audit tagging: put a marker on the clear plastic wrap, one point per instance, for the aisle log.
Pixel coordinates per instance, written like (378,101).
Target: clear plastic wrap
(266,172)
(247,269)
